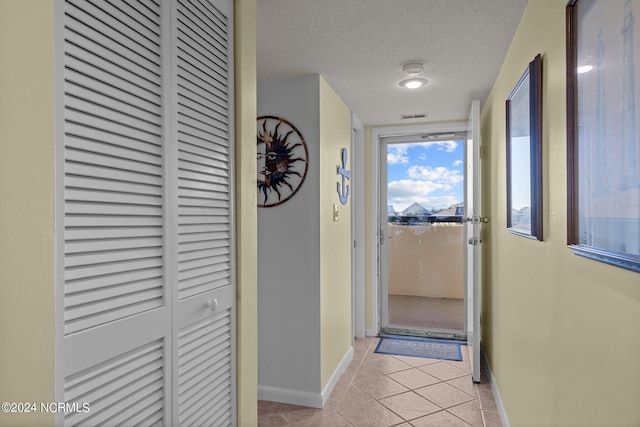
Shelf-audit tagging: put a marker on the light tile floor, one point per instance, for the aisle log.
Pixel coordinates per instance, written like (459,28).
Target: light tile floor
(384,390)
(425,312)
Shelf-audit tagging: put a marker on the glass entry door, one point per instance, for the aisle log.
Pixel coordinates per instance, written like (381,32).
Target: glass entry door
(422,239)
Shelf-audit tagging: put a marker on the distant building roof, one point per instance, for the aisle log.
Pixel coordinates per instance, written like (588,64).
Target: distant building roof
(415,208)
(455,210)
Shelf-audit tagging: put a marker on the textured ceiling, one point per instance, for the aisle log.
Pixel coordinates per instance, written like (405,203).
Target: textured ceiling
(359,47)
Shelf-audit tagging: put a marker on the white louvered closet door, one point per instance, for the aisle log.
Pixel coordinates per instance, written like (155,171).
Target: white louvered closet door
(146,289)
(204,322)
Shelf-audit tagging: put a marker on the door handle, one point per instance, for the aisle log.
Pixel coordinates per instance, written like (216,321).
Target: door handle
(480,219)
(212,304)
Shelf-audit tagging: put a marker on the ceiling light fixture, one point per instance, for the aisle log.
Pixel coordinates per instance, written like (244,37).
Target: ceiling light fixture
(413,69)
(413,83)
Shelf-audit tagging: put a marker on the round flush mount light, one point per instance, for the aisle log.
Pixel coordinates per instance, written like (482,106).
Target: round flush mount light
(413,83)
(413,69)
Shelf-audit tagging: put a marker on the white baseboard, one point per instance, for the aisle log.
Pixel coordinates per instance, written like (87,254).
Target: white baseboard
(290,396)
(306,398)
(342,366)
(371,333)
(496,392)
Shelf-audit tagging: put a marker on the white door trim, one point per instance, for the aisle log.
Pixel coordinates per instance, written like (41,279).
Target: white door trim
(358,227)
(375,222)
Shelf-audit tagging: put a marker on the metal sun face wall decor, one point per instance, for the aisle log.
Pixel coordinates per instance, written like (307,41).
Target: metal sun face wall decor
(283,161)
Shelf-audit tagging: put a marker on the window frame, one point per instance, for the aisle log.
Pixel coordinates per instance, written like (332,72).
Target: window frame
(620,259)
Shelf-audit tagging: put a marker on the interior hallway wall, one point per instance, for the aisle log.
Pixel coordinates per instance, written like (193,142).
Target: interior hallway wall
(560,330)
(289,253)
(27,306)
(304,257)
(335,236)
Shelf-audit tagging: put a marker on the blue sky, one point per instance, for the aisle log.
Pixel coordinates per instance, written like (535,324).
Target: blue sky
(430,173)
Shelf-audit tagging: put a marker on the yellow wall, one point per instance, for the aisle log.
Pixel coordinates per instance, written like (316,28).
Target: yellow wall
(335,237)
(26,207)
(246,212)
(560,330)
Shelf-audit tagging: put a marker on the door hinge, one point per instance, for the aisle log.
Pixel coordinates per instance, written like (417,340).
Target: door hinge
(474,241)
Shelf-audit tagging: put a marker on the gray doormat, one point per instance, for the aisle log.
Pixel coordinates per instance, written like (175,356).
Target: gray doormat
(419,347)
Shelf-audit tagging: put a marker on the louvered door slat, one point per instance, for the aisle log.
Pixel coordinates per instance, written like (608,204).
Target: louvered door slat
(124,278)
(196,127)
(201,15)
(147,102)
(128,107)
(112,233)
(133,415)
(200,139)
(204,354)
(202,262)
(193,154)
(109,308)
(76,296)
(107,28)
(87,195)
(84,133)
(203,228)
(203,115)
(200,237)
(112,147)
(72,221)
(191,29)
(199,174)
(113,117)
(191,55)
(190,90)
(77,116)
(82,73)
(137,372)
(132,19)
(91,183)
(106,46)
(98,271)
(101,161)
(205,272)
(98,245)
(79,168)
(185,257)
(86,55)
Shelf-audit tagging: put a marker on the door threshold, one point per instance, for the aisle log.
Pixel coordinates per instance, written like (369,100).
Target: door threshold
(426,333)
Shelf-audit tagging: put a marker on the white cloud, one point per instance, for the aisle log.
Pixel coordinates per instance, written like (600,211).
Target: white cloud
(448,146)
(410,188)
(440,174)
(458,163)
(397,158)
(397,153)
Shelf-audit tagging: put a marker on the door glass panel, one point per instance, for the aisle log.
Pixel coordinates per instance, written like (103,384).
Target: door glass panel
(425,252)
